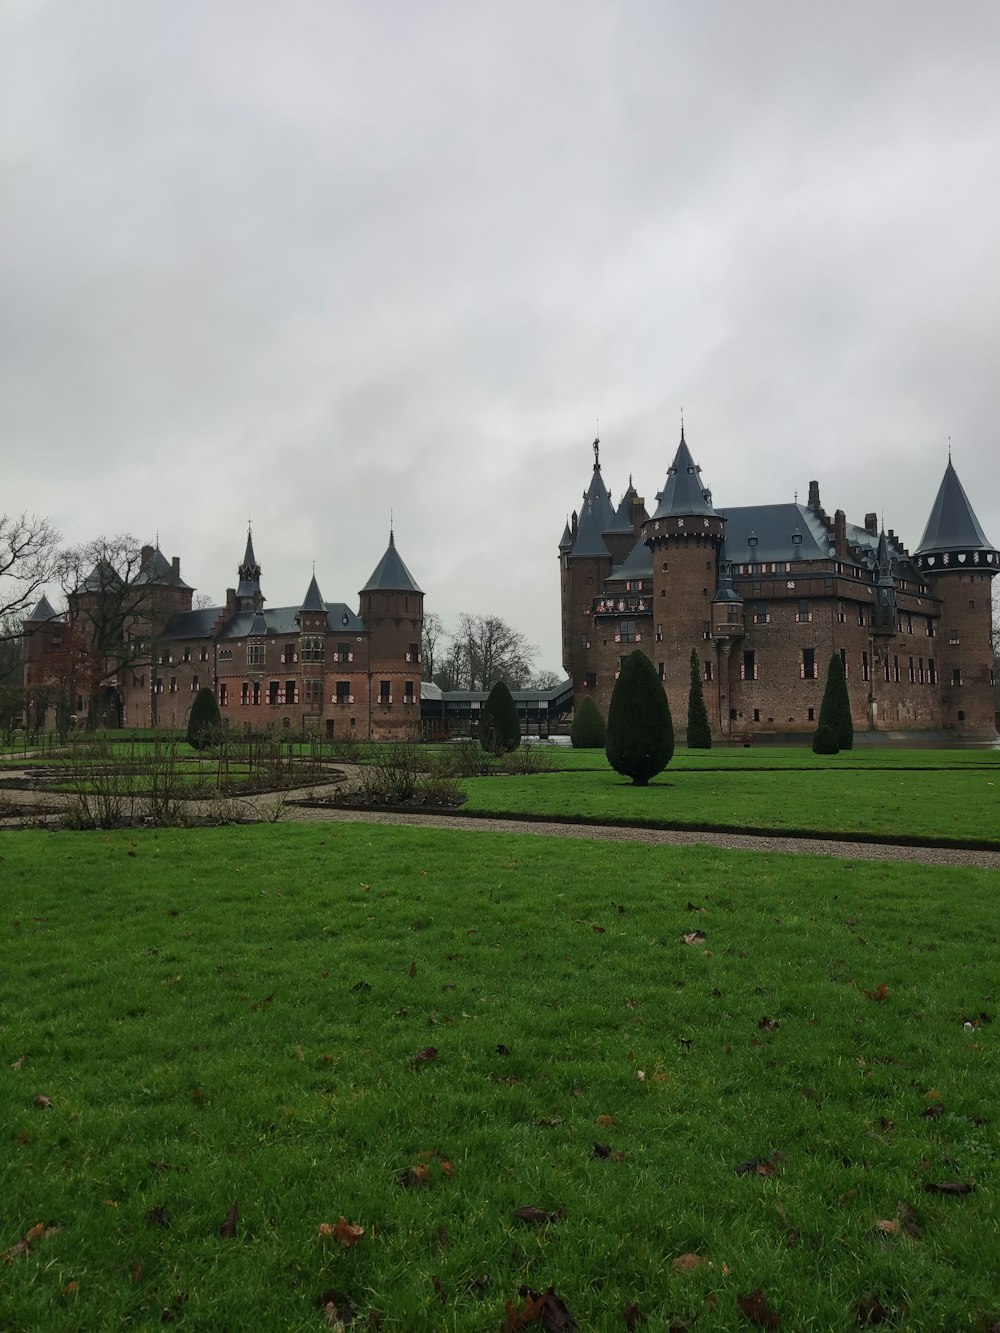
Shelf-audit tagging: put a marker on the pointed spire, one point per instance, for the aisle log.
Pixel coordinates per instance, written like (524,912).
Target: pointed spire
(683,494)
(953,525)
(566,540)
(42,613)
(725,591)
(391,574)
(313,600)
(248,593)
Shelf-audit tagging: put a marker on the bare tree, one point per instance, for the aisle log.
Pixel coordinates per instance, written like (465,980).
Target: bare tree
(28,554)
(10,649)
(433,634)
(492,650)
(546,680)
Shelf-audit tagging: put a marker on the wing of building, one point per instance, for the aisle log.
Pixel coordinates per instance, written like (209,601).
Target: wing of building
(766,594)
(318,665)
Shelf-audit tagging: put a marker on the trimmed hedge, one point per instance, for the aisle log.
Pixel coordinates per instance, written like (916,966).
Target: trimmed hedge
(699,733)
(825,741)
(589,731)
(499,725)
(204,720)
(835,710)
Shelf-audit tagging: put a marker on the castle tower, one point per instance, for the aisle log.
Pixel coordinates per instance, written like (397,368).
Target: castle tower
(959,563)
(584,565)
(392,607)
(248,594)
(685,535)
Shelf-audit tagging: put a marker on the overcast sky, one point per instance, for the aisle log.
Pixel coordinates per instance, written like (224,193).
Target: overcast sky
(313,262)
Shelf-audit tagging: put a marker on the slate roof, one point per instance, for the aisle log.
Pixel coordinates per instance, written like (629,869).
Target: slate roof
(566,541)
(638,564)
(390,574)
(589,541)
(953,523)
(282,621)
(313,600)
(684,493)
(42,612)
(598,497)
(773,526)
(102,577)
(158,569)
(195,624)
(622,521)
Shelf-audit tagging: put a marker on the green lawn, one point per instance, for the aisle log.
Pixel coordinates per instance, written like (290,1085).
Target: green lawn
(236,1015)
(957,804)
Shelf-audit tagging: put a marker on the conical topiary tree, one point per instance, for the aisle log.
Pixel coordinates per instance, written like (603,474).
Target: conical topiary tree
(835,710)
(499,725)
(640,740)
(589,731)
(204,720)
(699,733)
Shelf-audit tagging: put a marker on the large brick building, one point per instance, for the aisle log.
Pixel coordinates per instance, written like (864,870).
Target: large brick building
(765,594)
(320,665)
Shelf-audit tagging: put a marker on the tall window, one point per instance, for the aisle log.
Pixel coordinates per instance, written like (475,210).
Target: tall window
(384,692)
(626,631)
(804,614)
(344,692)
(708,669)
(223,694)
(807,667)
(312,648)
(865,667)
(748,670)
(761,615)
(255,652)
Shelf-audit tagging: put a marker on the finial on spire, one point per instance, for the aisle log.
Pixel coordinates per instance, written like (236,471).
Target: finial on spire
(683,441)
(949,448)
(796,495)
(597,452)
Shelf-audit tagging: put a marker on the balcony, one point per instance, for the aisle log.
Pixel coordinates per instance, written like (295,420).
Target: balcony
(618,606)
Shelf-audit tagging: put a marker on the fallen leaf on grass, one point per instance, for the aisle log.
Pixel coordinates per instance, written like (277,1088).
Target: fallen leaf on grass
(413,969)
(880,992)
(949,1187)
(42,1102)
(687,1263)
(545,1308)
(908,1218)
(888,1227)
(756,1309)
(415,1175)
(694,937)
(934,1112)
(870,1310)
(533,1216)
(599,930)
(346,1234)
(605,1120)
(768,1024)
(446,1168)
(158,1217)
(439,1289)
(761,1166)
(633,1316)
(336,1309)
(38,1232)
(71,1288)
(428,1053)
(18,1063)
(228,1228)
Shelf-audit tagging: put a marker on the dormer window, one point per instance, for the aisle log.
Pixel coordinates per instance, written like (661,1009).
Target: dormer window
(796,538)
(752,539)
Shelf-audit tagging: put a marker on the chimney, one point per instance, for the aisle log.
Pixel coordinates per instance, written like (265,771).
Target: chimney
(175,568)
(230,602)
(145,556)
(871,524)
(814,496)
(840,532)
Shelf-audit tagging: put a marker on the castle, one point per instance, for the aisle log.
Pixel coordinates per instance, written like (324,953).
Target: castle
(765,594)
(320,665)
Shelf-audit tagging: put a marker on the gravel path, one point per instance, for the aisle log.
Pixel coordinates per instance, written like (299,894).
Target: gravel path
(844,851)
(282,807)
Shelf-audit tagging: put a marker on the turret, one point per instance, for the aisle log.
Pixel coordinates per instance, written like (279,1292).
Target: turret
(585,566)
(959,563)
(884,614)
(685,535)
(248,594)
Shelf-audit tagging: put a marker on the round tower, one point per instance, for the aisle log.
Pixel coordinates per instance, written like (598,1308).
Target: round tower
(684,535)
(959,563)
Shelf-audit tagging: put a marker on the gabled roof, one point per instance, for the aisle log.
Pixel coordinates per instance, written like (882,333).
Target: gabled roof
(156,568)
(258,625)
(43,612)
(391,574)
(283,621)
(638,564)
(953,523)
(622,521)
(589,541)
(683,494)
(313,600)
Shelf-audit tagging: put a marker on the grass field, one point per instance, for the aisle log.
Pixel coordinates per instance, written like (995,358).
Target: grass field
(237,1016)
(958,803)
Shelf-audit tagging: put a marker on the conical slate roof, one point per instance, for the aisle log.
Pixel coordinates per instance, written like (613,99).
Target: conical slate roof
(249,572)
(683,493)
(42,612)
(313,600)
(953,523)
(589,541)
(390,574)
(598,497)
(102,578)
